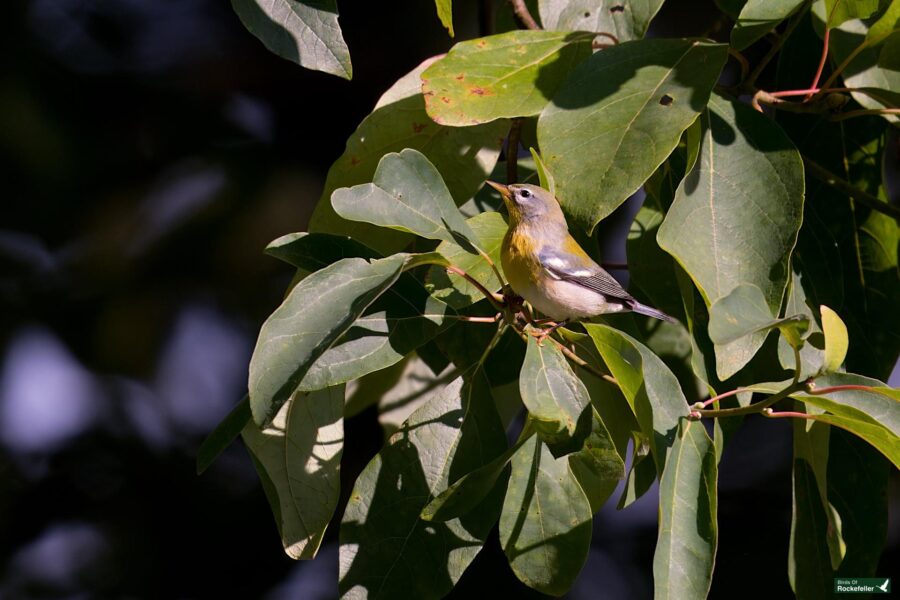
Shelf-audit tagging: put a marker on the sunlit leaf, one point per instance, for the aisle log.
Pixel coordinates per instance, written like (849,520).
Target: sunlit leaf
(445,14)
(298,458)
(303,31)
(836,340)
(839,11)
(625,20)
(650,387)
(744,312)
(463,156)
(554,396)
(489,228)
(407,194)
(511,74)
(319,310)
(759,17)
(745,195)
(619,115)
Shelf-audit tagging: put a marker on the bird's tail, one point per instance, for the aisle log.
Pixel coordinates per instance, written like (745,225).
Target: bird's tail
(643,309)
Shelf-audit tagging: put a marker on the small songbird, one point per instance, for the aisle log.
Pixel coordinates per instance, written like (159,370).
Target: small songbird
(546,266)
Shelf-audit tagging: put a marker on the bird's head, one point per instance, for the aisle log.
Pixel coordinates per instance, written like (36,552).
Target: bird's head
(529,203)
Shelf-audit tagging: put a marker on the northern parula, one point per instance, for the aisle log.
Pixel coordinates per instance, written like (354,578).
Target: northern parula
(546,266)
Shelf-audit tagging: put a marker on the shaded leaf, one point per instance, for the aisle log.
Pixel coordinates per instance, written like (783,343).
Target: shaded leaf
(688,529)
(489,228)
(836,341)
(744,312)
(759,17)
(303,31)
(319,310)
(386,550)
(545,526)
(414,386)
(640,476)
(746,195)
(597,466)
(554,396)
(467,492)
(511,74)
(625,108)
(223,435)
(407,194)
(298,458)
(650,387)
(463,156)
(626,20)
(314,251)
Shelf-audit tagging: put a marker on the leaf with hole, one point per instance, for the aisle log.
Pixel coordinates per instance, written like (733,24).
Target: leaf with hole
(619,115)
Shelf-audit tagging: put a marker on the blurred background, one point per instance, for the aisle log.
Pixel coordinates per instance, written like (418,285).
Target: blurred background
(149,149)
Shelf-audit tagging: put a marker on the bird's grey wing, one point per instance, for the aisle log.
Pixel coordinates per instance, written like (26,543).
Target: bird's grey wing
(591,276)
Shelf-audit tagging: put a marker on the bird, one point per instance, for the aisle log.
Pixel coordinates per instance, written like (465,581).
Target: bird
(547,267)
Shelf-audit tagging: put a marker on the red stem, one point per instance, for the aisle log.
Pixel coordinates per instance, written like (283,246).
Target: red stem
(841,388)
(734,392)
(786,93)
(786,414)
(822,60)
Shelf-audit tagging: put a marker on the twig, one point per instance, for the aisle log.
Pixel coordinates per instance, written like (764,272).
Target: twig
(491,297)
(854,192)
(769,413)
(734,392)
(850,57)
(742,61)
(823,59)
(521,11)
(583,363)
(512,152)
(865,112)
(753,408)
(776,47)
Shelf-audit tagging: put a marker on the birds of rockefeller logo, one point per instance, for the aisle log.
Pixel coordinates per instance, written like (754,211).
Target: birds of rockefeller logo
(862,585)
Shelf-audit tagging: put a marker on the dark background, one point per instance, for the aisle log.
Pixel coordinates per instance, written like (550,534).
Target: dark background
(149,149)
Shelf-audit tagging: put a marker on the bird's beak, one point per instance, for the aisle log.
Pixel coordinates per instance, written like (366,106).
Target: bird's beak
(504,191)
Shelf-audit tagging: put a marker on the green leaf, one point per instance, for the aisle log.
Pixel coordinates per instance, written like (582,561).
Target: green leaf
(688,530)
(318,311)
(545,178)
(414,386)
(811,445)
(545,526)
(387,551)
(445,14)
(838,11)
(640,477)
(597,466)
(887,23)
(744,312)
(872,415)
(298,458)
(463,156)
(746,195)
(619,115)
(836,340)
(223,435)
(650,387)
(314,251)
(303,31)
(626,20)
(407,194)
(759,17)
(512,74)
(554,396)
(466,493)
(811,353)
(809,564)
(871,67)
(489,228)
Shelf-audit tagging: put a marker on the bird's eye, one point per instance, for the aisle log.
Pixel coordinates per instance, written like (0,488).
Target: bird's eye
(525,194)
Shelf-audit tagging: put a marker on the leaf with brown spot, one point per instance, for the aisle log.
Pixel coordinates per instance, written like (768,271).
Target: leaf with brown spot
(513,74)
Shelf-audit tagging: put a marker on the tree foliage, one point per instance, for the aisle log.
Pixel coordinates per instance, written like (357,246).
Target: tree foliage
(767,230)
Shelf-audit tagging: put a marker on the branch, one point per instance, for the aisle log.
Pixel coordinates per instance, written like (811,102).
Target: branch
(491,297)
(854,192)
(521,11)
(512,152)
(753,408)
